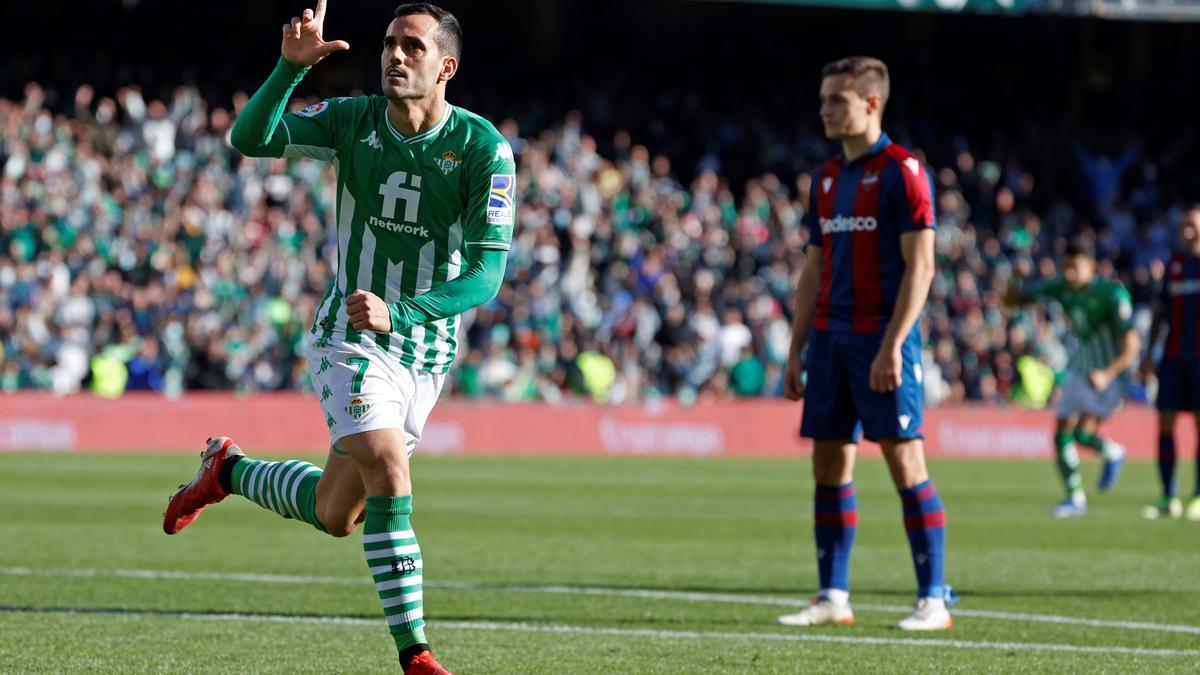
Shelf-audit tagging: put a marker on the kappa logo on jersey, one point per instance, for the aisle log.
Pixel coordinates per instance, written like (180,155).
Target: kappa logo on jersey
(314,109)
(913,165)
(870,178)
(358,407)
(841,223)
(373,141)
(826,183)
(503,151)
(448,162)
(501,198)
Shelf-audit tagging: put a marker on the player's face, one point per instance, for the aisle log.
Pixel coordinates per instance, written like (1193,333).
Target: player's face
(411,63)
(1189,231)
(1079,270)
(844,111)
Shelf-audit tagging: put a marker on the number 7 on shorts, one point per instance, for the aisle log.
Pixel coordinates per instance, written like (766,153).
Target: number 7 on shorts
(360,370)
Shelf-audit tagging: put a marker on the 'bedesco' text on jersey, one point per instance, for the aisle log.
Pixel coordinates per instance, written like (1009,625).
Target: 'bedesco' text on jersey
(407,206)
(857,212)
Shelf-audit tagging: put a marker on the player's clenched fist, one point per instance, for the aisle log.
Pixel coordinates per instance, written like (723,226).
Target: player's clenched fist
(368,311)
(303,44)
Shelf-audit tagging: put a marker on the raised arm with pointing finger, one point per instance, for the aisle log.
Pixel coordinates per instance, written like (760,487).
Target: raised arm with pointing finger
(303,47)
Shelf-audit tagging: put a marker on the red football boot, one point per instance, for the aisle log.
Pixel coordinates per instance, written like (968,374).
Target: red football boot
(204,489)
(425,664)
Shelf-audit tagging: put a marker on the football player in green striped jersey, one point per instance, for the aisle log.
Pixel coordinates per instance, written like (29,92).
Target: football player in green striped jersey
(424,215)
(1103,345)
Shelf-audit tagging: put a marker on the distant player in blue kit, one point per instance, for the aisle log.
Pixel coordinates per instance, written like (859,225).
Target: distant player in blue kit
(869,264)
(1178,313)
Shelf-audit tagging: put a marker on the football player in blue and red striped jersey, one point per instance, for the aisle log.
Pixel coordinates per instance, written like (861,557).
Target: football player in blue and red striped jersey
(869,264)
(1178,313)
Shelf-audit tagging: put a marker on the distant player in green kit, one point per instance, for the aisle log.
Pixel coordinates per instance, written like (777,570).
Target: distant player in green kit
(1104,345)
(425,207)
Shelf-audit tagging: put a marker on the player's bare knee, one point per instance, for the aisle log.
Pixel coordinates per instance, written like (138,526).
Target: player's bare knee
(338,524)
(906,461)
(833,463)
(342,530)
(1166,423)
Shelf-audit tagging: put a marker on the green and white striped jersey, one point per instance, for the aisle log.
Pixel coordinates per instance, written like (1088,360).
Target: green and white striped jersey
(406,209)
(1100,315)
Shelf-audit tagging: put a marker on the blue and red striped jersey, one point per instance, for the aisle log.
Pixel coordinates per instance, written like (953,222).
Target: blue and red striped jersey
(857,213)
(1181,298)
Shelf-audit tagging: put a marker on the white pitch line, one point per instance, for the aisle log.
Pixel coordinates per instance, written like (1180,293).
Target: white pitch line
(562,629)
(651,594)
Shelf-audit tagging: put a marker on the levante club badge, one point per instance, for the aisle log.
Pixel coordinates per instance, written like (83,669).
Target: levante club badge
(448,162)
(358,407)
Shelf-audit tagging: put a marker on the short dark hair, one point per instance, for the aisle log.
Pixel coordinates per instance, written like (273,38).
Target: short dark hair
(869,73)
(1080,246)
(449,33)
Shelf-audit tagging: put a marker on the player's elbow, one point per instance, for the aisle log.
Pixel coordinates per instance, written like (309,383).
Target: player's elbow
(1133,343)
(491,287)
(492,276)
(240,137)
(244,140)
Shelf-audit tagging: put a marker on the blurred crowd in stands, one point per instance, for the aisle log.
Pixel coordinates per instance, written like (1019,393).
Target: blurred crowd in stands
(140,252)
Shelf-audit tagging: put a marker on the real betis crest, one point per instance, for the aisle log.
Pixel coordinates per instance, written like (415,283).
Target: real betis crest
(448,162)
(358,407)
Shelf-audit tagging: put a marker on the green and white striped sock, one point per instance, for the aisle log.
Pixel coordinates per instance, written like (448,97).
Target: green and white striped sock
(1108,450)
(1068,463)
(287,488)
(394,557)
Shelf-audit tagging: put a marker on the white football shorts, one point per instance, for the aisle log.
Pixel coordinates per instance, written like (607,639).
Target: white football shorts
(361,388)
(1078,397)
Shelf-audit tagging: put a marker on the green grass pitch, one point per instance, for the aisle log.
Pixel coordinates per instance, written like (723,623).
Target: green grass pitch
(587,565)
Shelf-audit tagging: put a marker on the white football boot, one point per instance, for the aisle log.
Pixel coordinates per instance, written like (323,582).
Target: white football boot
(1193,509)
(928,614)
(1167,507)
(1073,507)
(820,611)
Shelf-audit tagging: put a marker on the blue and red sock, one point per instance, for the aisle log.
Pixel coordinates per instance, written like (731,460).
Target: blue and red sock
(1166,463)
(925,522)
(835,521)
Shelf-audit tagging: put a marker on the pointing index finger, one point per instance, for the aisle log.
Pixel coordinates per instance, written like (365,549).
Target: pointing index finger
(319,14)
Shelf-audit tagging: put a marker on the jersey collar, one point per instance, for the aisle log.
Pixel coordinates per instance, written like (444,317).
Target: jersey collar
(877,148)
(424,135)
